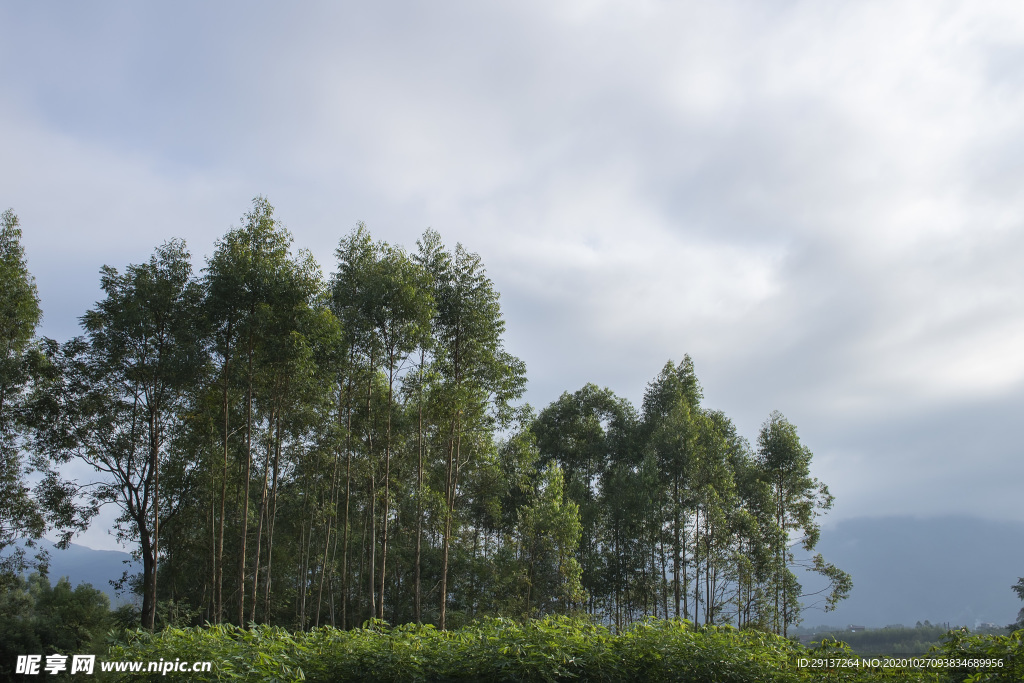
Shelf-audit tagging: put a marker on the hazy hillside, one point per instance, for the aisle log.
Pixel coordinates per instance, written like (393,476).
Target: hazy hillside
(85,565)
(905,569)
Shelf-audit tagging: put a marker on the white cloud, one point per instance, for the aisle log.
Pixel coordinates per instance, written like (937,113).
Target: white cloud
(819,202)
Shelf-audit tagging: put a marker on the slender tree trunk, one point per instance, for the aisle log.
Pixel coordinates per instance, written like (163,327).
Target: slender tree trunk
(348,492)
(676,545)
(219,615)
(259,525)
(148,578)
(450,474)
(696,566)
(371,575)
(664,577)
(373,493)
(709,600)
(272,521)
(245,503)
(154,465)
(323,572)
(300,588)
(387,488)
(348,489)
(419,492)
(361,585)
(212,604)
(332,525)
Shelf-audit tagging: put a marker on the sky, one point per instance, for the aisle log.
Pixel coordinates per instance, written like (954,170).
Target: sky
(818,202)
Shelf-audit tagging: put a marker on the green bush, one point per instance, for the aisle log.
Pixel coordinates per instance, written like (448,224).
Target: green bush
(1009,648)
(554,649)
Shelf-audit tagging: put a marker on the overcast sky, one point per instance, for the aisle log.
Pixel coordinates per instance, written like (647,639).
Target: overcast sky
(822,203)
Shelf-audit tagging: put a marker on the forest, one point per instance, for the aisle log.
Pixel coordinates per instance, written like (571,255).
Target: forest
(300,450)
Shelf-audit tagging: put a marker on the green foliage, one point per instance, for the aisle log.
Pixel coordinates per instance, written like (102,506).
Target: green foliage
(796,499)
(553,649)
(118,393)
(20,514)
(296,451)
(37,618)
(547,537)
(960,644)
(1018,588)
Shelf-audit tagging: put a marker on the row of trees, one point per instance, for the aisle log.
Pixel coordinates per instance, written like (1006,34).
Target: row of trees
(294,449)
(681,517)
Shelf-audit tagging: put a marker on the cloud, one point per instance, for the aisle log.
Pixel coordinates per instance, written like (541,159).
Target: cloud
(820,203)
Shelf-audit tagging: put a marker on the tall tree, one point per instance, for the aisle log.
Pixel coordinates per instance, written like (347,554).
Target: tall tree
(118,396)
(584,433)
(249,281)
(797,499)
(548,534)
(671,411)
(20,516)
(402,315)
(385,291)
(477,378)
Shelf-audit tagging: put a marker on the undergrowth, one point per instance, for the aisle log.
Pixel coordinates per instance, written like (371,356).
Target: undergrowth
(549,650)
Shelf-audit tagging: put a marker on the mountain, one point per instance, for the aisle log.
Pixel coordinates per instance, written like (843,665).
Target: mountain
(906,569)
(85,565)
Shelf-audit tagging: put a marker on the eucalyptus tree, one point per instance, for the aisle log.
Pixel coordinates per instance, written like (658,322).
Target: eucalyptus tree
(20,514)
(19,315)
(752,527)
(671,411)
(580,431)
(249,281)
(120,389)
(477,378)
(629,492)
(796,499)
(415,386)
(398,305)
(358,293)
(292,393)
(715,509)
(355,253)
(548,533)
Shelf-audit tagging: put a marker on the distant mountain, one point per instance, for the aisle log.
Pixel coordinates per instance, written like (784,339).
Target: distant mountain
(905,569)
(85,565)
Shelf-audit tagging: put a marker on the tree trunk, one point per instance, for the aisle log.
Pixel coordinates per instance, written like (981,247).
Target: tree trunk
(387,488)
(259,526)
(272,521)
(245,503)
(219,589)
(154,467)
(419,493)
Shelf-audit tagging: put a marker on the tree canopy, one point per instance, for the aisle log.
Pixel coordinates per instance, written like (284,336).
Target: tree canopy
(295,449)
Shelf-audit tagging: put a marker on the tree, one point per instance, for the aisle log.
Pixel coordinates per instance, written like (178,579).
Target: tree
(250,282)
(384,296)
(583,433)
(116,398)
(477,379)
(671,409)
(20,514)
(797,499)
(1018,588)
(38,617)
(548,535)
